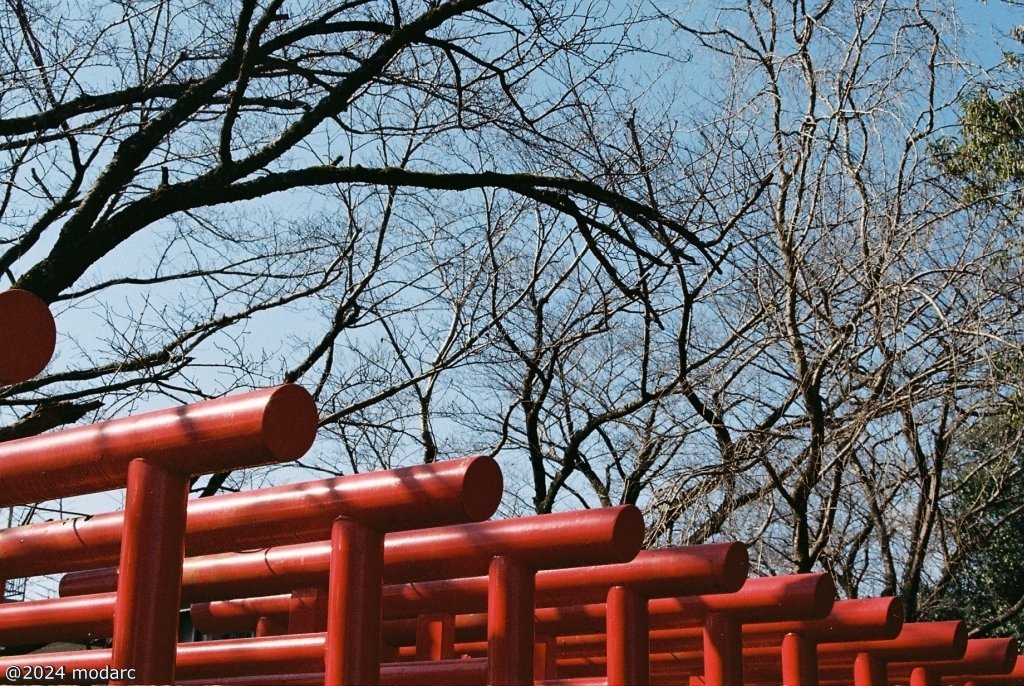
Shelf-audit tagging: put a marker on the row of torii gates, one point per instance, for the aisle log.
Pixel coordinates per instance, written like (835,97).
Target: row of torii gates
(397,577)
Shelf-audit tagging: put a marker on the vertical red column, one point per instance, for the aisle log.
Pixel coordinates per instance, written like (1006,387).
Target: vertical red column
(868,670)
(723,651)
(149,581)
(799,661)
(922,676)
(510,591)
(352,646)
(307,611)
(435,636)
(627,638)
(266,626)
(545,651)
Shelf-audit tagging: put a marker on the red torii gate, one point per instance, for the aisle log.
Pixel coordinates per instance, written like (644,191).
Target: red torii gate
(154,455)
(647,618)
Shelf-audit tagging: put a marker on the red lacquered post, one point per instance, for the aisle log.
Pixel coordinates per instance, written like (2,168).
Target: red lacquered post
(545,650)
(509,623)
(307,611)
(435,636)
(266,626)
(27,336)
(922,676)
(352,647)
(149,585)
(723,651)
(868,670)
(799,661)
(627,638)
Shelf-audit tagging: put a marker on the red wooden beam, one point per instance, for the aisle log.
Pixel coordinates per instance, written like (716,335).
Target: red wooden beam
(255,657)
(41,621)
(776,598)
(685,570)
(612,534)
(670,569)
(1014,677)
(982,656)
(862,619)
(448,492)
(916,641)
(448,672)
(872,618)
(712,568)
(261,427)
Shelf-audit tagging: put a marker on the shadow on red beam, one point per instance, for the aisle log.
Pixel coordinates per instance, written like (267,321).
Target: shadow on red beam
(764,599)
(670,571)
(565,539)
(925,643)
(849,620)
(922,644)
(69,619)
(438,494)
(808,595)
(983,656)
(28,338)
(470,672)
(767,599)
(1015,676)
(686,570)
(664,665)
(862,619)
(261,427)
(916,641)
(250,661)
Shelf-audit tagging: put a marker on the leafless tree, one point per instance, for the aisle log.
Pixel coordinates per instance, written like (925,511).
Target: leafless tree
(746,302)
(215,195)
(886,301)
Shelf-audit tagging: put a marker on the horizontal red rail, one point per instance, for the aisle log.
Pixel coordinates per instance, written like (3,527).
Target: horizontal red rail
(719,567)
(917,641)
(448,492)
(849,620)
(1015,676)
(261,427)
(254,657)
(471,672)
(612,534)
(982,656)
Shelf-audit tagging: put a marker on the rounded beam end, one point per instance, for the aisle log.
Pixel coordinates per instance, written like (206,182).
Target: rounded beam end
(484,488)
(959,638)
(824,594)
(289,422)
(1012,654)
(894,617)
(737,566)
(628,532)
(31,336)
